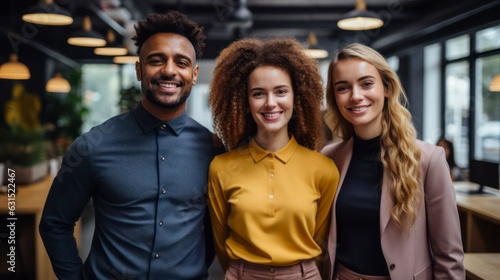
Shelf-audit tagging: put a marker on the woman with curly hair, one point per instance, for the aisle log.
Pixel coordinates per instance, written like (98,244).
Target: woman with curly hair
(394,215)
(270,194)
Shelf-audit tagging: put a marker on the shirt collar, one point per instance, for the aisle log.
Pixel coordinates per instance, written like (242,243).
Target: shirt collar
(148,122)
(283,155)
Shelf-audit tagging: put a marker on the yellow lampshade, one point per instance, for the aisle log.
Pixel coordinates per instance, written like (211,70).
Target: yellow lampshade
(313,49)
(58,84)
(48,13)
(110,51)
(360,19)
(111,48)
(126,59)
(14,70)
(86,37)
(495,83)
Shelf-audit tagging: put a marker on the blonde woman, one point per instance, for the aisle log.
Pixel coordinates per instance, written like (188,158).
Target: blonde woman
(394,215)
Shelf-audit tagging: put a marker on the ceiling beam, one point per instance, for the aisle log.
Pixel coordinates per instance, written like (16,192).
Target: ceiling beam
(108,20)
(17,39)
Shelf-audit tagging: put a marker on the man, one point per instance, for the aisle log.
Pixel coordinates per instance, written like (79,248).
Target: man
(145,171)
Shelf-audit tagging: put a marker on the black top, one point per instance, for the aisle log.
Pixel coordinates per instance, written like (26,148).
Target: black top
(358,211)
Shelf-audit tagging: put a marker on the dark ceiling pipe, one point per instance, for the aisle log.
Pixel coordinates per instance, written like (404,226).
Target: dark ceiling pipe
(14,37)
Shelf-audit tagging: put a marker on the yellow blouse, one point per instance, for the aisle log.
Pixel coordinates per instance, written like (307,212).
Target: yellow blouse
(271,208)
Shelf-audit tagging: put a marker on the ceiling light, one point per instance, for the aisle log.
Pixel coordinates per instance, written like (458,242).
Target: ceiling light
(126,59)
(86,37)
(313,50)
(241,17)
(58,84)
(14,70)
(495,83)
(360,18)
(47,13)
(111,48)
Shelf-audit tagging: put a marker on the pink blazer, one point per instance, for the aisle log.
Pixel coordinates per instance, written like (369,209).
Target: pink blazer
(433,247)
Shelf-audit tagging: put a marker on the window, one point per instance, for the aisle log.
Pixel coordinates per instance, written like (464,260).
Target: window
(487,113)
(488,39)
(458,47)
(101,92)
(457,103)
(432,97)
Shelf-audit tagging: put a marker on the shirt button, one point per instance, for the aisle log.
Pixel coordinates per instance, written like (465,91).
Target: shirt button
(157,255)
(392,266)
(271,175)
(163,126)
(162,158)
(271,196)
(161,223)
(163,190)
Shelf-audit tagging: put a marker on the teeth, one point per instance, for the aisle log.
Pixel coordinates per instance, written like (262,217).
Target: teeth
(359,108)
(167,85)
(271,115)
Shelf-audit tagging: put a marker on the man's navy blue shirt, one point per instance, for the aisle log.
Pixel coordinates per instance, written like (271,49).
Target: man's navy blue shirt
(148,184)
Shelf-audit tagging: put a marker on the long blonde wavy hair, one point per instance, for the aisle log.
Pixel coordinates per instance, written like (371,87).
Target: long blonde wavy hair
(399,153)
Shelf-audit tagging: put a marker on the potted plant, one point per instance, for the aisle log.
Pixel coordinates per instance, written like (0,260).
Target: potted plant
(65,114)
(22,147)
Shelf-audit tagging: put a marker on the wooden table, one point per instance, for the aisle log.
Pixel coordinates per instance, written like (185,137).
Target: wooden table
(482,266)
(30,200)
(479,219)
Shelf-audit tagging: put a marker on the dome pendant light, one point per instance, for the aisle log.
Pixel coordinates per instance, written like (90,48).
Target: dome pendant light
(313,49)
(111,48)
(360,19)
(14,70)
(47,13)
(127,58)
(58,84)
(495,83)
(86,37)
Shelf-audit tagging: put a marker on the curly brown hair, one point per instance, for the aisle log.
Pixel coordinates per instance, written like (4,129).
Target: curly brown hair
(171,22)
(228,95)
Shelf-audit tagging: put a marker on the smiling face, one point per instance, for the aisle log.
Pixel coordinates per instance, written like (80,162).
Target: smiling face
(360,96)
(166,70)
(270,97)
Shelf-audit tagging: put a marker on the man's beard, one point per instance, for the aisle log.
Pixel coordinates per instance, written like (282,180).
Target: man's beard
(166,105)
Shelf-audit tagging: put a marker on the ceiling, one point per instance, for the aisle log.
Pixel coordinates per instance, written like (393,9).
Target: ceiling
(405,22)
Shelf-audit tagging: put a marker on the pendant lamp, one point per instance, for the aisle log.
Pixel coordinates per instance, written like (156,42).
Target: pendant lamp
(495,83)
(111,48)
(241,17)
(360,19)
(14,70)
(58,84)
(313,50)
(86,37)
(47,13)
(126,59)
